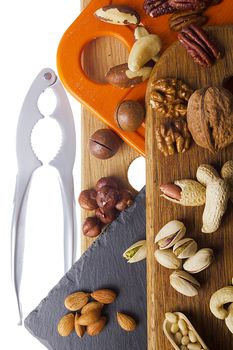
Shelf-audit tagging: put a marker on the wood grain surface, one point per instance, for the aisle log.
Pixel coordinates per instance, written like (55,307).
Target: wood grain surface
(98,56)
(161,296)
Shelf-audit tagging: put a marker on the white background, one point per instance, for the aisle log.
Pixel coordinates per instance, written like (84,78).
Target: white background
(30,32)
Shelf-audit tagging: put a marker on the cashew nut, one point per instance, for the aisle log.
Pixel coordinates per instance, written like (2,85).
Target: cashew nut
(229,319)
(143,50)
(140,32)
(217,302)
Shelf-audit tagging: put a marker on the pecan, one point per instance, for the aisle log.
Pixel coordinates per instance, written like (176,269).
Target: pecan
(156,8)
(199,45)
(189,4)
(173,136)
(181,19)
(169,97)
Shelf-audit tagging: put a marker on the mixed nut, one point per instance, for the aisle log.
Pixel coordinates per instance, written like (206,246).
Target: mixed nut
(173,248)
(181,333)
(108,199)
(104,143)
(88,314)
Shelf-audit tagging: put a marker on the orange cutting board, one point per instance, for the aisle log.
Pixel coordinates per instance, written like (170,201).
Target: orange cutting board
(176,63)
(92,94)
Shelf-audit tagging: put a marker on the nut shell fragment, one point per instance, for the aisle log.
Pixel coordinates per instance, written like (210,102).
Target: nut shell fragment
(206,173)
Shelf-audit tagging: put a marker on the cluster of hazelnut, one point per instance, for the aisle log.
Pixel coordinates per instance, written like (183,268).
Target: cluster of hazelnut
(107,200)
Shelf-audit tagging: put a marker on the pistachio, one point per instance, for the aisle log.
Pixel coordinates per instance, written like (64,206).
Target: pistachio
(185,248)
(136,252)
(169,234)
(167,259)
(184,283)
(200,261)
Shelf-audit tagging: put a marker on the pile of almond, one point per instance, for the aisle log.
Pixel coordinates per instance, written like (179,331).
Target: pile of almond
(86,316)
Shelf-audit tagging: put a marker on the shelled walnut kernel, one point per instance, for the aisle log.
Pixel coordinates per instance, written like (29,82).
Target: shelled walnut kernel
(173,136)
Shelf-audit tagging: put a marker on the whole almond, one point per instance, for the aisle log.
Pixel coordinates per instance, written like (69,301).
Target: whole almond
(104,296)
(126,322)
(93,305)
(66,325)
(80,330)
(89,318)
(97,327)
(76,301)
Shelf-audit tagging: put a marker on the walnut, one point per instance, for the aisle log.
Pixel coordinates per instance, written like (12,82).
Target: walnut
(169,97)
(210,118)
(173,136)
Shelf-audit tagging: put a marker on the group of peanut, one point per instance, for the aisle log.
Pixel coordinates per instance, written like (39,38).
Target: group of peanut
(88,316)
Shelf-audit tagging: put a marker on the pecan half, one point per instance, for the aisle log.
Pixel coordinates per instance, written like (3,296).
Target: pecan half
(181,19)
(199,45)
(169,97)
(173,137)
(156,8)
(189,4)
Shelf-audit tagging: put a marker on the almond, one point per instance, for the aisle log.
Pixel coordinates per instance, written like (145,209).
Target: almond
(76,301)
(97,327)
(89,318)
(93,305)
(104,296)
(126,322)
(66,325)
(80,330)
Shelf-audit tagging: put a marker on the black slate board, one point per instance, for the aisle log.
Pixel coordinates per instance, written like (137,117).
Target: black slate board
(101,266)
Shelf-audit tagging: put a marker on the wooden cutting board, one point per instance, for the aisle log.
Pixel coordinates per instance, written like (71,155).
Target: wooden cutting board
(161,296)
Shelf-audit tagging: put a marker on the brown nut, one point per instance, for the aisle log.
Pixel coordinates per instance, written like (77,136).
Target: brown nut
(97,327)
(180,19)
(107,197)
(125,200)
(104,144)
(92,226)
(87,199)
(129,115)
(106,216)
(107,181)
(120,76)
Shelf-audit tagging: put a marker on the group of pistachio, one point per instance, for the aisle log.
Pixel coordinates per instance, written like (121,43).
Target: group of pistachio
(173,248)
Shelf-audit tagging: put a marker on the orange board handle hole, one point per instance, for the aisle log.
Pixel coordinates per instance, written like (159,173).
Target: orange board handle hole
(112,52)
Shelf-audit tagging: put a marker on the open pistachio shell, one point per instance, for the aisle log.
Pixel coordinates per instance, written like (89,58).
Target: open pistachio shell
(200,261)
(136,252)
(170,336)
(167,259)
(184,283)
(170,233)
(185,248)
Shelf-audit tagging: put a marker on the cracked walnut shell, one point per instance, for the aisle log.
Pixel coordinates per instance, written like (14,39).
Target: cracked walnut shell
(210,118)
(169,97)
(173,137)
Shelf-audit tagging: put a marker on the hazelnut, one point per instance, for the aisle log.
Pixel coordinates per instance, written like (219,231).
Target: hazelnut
(129,115)
(104,144)
(107,181)
(107,197)
(87,199)
(125,200)
(92,226)
(106,216)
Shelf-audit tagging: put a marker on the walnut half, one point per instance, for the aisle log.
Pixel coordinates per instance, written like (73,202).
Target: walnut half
(172,137)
